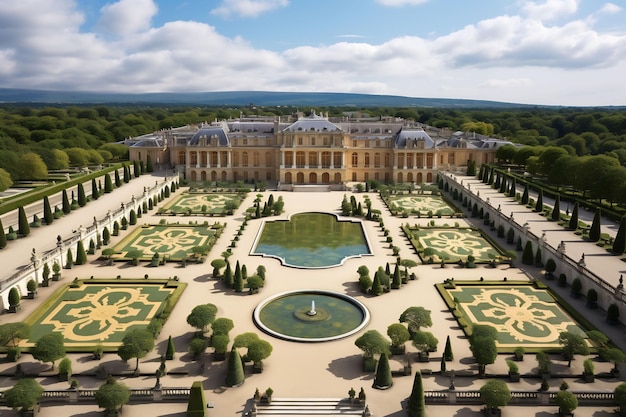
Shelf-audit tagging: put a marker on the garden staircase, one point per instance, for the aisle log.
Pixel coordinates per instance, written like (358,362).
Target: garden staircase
(309,407)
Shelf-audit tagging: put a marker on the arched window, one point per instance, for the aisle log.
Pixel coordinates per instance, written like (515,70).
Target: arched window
(367,160)
(355,160)
(256,159)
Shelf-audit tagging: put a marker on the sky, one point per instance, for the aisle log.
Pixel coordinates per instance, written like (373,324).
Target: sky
(552,52)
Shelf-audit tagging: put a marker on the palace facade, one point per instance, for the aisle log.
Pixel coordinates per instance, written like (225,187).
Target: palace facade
(313,150)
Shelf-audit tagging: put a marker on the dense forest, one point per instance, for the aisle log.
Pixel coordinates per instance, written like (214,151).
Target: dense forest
(34,139)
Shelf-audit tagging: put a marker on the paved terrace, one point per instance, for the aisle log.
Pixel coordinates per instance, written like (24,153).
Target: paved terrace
(325,370)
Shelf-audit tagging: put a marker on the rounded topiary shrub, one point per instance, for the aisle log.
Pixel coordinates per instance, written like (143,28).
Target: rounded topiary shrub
(592,298)
(612,314)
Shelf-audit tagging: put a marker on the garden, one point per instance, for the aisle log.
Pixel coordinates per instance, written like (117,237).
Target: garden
(98,312)
(166,242)
(191,203)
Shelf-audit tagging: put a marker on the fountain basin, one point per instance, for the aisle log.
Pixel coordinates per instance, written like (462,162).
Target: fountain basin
(286,315)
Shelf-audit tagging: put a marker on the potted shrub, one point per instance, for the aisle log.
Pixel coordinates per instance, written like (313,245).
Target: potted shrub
(620,399)
(612,314)
(550,268)
(567,403)
(31,286)
(56,271)
(577,287)
(25,394)
(562,280)
(592,299)
(14,353)
(518,354)
(14,300)
(514,375)
(45,275)
(588,371)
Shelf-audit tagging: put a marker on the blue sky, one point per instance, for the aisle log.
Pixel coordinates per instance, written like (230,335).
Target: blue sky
(565,52)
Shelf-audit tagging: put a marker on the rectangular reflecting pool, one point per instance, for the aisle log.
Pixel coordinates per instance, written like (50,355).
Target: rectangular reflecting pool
(311,240)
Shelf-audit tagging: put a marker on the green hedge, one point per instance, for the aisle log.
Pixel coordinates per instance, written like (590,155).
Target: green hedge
(39,193)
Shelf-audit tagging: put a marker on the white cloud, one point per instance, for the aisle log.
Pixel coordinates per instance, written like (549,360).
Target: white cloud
(507,58)
(399,3)
(547,10)
(247,8)
(127,16)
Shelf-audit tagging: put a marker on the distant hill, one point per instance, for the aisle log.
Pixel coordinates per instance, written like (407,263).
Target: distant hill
(242,98)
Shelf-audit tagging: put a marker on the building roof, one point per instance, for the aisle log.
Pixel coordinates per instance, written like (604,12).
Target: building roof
(410,138)
(209,132)
(313,123)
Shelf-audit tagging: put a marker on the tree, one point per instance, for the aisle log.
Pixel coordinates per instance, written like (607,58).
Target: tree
(372,343)
(377,288)
(149,167)
(108,184)
(556,210)
(217,264)
(484,351)
(66,203)
(132,217)
(49,348)
(32,167)
(196,406)
(447,351)
(416,317)
(425,341)
(594,231)
(528,256)
(65,368)
(495,393)
(13,332)
(228,275)
(81,255)
(201,316)
(222,326)
(416,404)
(23,226)
(383,379)
(82,198)
(614,355)
(235,375)
(396,282)
(258,350)
(539,204)
(169,353)
(525,195)
(48,217)
(619,245)
(69,259)
(566,401)
(3,236)
(398,334)
(620,397)
(116,177)
(94,189)
(254,283)
(137,343)
(238,281)
(197,346)
(24,394)
(112,395)
(573,221)
(572,344)
(5,180)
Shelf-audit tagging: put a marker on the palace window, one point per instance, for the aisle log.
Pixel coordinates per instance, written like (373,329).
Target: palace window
(355,160)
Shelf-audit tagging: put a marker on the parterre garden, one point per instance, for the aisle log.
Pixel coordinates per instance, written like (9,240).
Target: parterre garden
(421,205)
(523,313)
(100,312)
(214,204)
(452,244)
(173,242)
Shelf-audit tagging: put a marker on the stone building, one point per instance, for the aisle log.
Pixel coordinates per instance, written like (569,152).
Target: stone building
(313,150)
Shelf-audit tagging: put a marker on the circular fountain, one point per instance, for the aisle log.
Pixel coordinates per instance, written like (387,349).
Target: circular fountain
(311,315)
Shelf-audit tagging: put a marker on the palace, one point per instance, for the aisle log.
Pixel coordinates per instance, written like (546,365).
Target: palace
(313,149)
